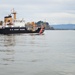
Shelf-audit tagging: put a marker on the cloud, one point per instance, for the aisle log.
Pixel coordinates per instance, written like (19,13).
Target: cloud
(54,18)
(55,11)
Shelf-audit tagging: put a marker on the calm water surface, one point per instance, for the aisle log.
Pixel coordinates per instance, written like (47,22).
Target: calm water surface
(28,54)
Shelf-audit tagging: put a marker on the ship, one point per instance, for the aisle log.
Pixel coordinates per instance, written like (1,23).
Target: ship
(11,25)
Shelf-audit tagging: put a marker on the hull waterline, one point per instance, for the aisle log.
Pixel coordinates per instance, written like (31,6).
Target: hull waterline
(15,30)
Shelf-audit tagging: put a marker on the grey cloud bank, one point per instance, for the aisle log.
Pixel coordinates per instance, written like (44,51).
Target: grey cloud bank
(53,11)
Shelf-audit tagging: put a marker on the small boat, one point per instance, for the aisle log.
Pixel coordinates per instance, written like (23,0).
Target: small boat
(13,26)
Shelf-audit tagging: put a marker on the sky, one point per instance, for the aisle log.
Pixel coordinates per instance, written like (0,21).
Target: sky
(52,11)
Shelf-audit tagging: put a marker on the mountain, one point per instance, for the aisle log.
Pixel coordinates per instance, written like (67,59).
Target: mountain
(46,24)
(64,27)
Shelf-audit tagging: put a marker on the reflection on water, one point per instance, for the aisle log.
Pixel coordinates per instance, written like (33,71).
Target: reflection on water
(12,46)
(6,49)
(9,40)
(7,56)
(29,54)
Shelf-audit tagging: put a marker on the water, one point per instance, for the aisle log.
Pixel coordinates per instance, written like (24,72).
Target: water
(28,54)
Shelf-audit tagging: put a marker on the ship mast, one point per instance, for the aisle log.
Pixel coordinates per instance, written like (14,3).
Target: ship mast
(14,14)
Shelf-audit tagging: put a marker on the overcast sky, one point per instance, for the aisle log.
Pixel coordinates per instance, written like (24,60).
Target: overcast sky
(52,11)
